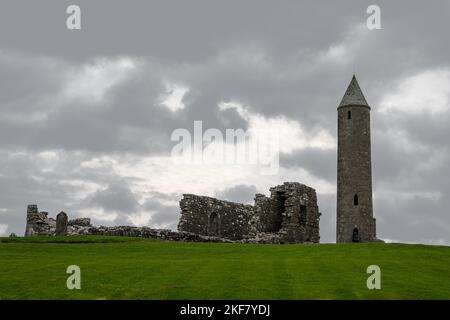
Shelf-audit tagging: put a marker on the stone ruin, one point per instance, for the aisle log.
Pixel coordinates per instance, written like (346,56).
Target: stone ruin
(39,224)
(61,224)
(289,215)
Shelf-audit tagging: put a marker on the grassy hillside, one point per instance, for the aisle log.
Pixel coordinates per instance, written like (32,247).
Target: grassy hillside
(134,268)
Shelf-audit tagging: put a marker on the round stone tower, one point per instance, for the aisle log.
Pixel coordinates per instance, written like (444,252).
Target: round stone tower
(355,222)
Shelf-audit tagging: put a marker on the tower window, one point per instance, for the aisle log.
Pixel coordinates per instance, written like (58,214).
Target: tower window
(349,114)
(355,200)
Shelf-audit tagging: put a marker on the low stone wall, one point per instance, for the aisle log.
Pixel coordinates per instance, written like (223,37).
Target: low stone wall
(145,232)
(166,234)
(82,222)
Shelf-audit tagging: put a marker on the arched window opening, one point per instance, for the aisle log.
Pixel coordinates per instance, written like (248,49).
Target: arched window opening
(214,225)
(303,215)
(355,200)
(280,209)
(349,114)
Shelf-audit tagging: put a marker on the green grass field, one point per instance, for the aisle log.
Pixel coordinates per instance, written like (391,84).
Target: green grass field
(134,268)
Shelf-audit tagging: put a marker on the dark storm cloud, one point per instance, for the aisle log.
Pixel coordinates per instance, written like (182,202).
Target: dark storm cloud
(320,163)
(117,197)
(178,30)
(40,114)
(293,59)
(22,182)
(165,216)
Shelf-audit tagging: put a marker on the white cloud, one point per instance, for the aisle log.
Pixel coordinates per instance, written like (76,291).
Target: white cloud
(150,174)
(81,189)
(336,53)
(91,82)
(141,218)
(99,214)
(172,99)
(425,92)
(292,136)
(3,229)
(47,161)
(96,163)
(344,52)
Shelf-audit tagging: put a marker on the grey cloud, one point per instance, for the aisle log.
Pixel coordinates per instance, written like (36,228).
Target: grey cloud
(261,54)
(327,207)
(320,163)
(239,193)
(165,216)
(117,197)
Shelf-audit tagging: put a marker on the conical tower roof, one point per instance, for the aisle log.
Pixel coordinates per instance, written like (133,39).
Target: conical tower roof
(353,96)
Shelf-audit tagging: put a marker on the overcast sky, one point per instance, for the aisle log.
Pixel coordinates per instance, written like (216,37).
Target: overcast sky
(86,115)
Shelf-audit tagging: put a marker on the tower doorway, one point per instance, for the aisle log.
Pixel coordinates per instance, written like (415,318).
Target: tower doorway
(355,236)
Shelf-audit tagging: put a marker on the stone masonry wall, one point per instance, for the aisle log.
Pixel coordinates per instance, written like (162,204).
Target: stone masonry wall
(38,223)
(212,217)
(291,211)
(264,210)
